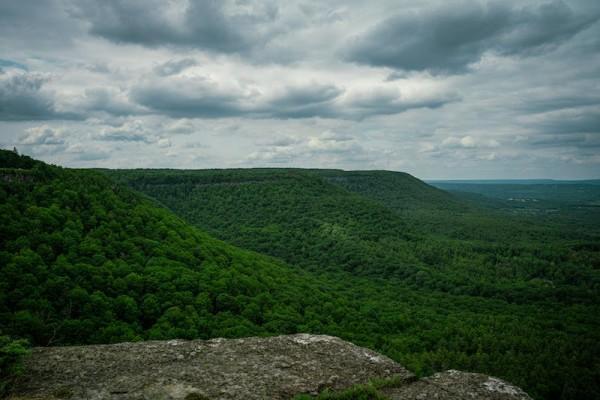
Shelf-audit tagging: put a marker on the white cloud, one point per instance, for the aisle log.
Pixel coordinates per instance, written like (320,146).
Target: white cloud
(469,142)
(42,135)
(164,142)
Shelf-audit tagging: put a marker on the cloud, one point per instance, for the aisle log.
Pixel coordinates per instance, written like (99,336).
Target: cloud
(443,89)
(329,147)
(210,25)
(331,142)
(577,140)
(109,100)
(181,126)
(42,135)
(303,101)
(88,152)
(173,67)
(164,142)
(389,100)
(36,24)
(6,64)
(22,97)
(283,142)
(566,121)
(204,97)
(448,39)
(468,142)
(195,97)
(130,131)
(575,122)
(552,102)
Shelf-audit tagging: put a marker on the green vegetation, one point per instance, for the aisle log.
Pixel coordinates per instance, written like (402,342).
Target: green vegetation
(86,261)
(365,392)
(11,361)
(564,204)
(439,283)
(430,281)
(332,221)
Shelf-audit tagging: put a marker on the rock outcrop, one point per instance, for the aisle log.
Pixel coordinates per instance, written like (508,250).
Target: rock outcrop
(457,385)
(251,368)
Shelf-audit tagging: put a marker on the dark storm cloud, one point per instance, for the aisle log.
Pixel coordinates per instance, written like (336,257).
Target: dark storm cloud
(448,39)
(200,24)
(22,98)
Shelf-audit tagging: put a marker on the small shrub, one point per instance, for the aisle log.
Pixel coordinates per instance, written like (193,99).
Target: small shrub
(11,361)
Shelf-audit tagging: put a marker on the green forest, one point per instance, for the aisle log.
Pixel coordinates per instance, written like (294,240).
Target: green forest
(432,279)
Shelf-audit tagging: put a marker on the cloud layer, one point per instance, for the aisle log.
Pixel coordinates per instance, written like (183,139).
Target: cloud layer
(440,89)
(449,38)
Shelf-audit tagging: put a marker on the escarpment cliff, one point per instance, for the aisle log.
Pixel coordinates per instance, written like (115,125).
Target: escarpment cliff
(251,368)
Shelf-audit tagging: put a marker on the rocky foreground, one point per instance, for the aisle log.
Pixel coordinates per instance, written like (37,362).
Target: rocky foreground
(251,368)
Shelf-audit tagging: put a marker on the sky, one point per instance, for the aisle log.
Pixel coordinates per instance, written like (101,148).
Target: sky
(439,89)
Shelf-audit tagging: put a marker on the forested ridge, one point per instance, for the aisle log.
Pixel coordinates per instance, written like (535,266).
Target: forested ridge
(84,259)
(376,225)
(490,291)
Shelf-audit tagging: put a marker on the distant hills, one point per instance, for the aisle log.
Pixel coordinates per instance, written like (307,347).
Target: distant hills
(515,181)
(563,199)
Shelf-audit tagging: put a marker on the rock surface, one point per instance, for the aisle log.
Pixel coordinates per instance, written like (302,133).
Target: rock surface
(456,385)
(251,368)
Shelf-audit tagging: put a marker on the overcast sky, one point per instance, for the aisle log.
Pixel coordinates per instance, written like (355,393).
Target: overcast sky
(439,89)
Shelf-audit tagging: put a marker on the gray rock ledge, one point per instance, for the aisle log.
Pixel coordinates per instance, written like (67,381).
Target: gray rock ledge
(250,368)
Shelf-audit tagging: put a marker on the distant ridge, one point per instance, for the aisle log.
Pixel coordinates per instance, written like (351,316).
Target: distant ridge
(517,181)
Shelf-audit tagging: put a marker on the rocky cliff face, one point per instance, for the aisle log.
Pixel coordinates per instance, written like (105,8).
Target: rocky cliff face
(252,368)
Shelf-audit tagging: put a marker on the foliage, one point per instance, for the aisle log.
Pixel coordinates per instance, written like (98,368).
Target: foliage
(83,260)
(434,284)
(423,276)
(12,353)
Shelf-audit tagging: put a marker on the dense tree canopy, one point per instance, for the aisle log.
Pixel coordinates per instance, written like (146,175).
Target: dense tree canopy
(447,282)
(84,259)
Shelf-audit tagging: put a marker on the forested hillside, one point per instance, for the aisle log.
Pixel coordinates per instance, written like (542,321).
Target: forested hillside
(450,284)
(377,228)
(84,259)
